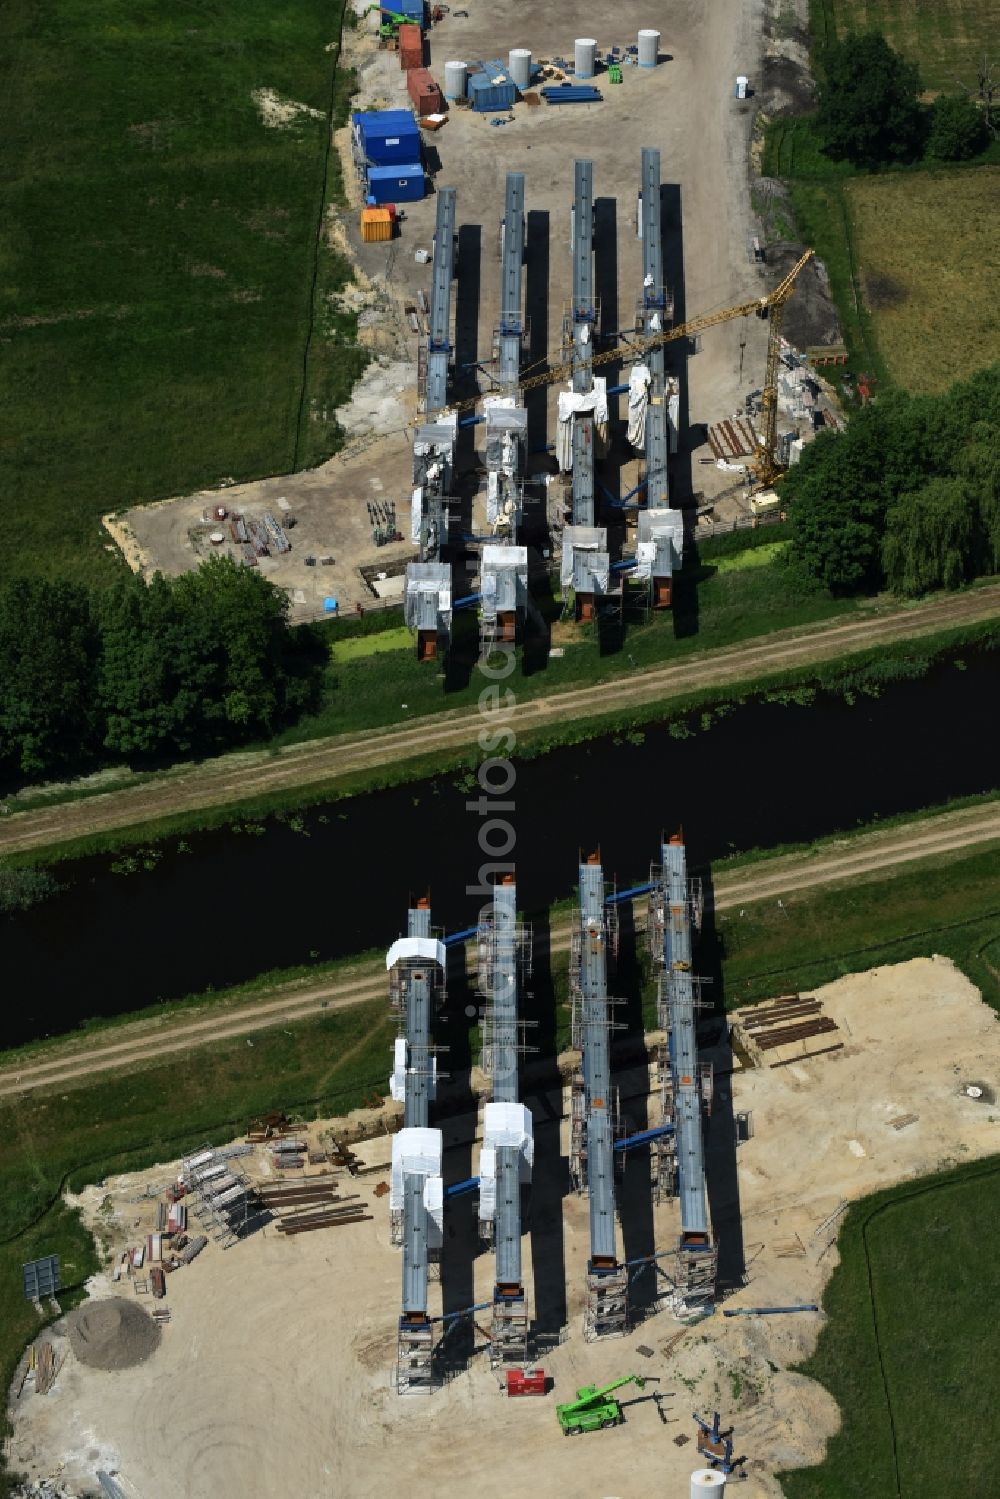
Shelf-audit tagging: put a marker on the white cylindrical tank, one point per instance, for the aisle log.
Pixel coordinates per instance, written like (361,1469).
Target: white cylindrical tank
(707,1481)
(455,74)
(584,56)
(519,62)
(649,48)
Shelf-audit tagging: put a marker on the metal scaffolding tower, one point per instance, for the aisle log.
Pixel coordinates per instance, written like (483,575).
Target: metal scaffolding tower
(675,907)
(439,337)
(416,966)
(508,1145)
(581,334)
(653,314)
(594,1105)
(428,596)
(511,332)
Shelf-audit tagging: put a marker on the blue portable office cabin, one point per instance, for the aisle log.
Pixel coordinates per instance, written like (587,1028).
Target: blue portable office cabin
(491,87)
(386,136)
(413,10)
(402,183)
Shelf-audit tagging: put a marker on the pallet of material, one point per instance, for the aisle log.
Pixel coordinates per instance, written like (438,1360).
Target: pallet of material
(770,1039)
(193,1248)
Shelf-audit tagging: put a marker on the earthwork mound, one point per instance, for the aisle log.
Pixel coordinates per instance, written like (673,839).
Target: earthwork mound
(112,1334)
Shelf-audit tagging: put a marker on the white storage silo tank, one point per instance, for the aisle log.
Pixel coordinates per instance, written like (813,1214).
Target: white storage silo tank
(649,48)
(584,56)
(455,74)
(519,63)
(707,1481)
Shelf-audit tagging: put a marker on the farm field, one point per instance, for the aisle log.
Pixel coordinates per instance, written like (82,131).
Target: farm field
(935,316)
(905,1350)
(947,39)
(160,244)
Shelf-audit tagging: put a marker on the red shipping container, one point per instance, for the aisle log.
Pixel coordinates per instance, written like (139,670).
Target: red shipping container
(525,1381)
(411,48)
(424,92)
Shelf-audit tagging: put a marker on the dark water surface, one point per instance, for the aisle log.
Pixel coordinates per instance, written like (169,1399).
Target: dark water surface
(237,904)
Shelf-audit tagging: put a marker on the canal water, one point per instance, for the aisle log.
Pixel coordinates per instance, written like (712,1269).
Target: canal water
(336,880)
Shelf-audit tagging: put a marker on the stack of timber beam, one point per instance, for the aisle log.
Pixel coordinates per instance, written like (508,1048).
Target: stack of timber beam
(784,1030)
(310,1203)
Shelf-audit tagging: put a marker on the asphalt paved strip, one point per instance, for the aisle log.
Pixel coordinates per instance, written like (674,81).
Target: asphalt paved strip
(868,854)
(235,778)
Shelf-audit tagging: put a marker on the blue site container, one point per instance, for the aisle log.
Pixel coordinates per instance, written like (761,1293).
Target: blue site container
(413,10)
(396,184)
(387,136)
(485,95)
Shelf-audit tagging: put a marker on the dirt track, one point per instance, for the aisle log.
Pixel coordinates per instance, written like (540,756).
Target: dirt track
(863,857)
(237,778)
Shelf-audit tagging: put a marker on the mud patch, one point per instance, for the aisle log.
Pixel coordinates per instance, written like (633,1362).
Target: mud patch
(882,292)
(278,113)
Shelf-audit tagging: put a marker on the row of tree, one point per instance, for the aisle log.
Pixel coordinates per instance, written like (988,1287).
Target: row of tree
(869,110)
(144,671)
(907,496)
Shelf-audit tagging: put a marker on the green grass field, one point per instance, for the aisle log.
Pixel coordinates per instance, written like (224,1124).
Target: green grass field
(907,1350)
(945,38)
(935,315)
(161,260)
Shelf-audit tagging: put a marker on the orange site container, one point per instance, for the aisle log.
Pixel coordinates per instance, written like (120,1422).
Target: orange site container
(424,91)
(411,47)
(376,224)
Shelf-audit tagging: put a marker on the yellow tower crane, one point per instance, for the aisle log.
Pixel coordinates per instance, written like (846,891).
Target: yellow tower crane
(764,463)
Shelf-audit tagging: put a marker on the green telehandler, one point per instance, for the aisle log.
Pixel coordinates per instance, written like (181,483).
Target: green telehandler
(593,1408)
(393,20)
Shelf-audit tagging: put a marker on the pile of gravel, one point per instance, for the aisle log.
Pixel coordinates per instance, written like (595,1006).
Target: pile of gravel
(112,1334)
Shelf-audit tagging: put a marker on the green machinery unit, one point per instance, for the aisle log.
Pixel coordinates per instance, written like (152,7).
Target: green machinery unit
(594,1408)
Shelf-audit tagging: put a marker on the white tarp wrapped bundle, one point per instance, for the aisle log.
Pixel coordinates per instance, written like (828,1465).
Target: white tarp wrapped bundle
(416,513)
(673,413)
(638,403)
(580,539)
(427,948)
(510,1124)
(487,1183)
(434,1208)
(573,404)
(660,542)
(397,1079)
(415,1152)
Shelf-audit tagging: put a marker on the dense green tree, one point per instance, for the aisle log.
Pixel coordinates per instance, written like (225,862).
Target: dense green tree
(235,623)
(957,129)
(931,537)
(48,661)
(867,101)
(909,493)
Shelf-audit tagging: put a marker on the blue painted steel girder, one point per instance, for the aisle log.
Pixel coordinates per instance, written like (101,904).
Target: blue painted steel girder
(654,300)
(597,1061)
(438,344)
(511,321)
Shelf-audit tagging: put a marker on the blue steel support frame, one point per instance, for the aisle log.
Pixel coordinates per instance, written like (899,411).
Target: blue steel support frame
(511,317)
(654,312)
(584,325)
(697,1255)
(597,1065)
(439,337)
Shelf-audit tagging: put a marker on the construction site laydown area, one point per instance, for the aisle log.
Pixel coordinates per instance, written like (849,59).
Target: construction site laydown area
(263,1357)
(577,354)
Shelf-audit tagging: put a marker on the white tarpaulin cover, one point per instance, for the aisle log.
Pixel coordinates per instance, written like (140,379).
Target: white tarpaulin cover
(415,1152)
(487,1183)
(416,947)
(397,1081)
(638,404)
(416,511)
(510,1124)
(572,404)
